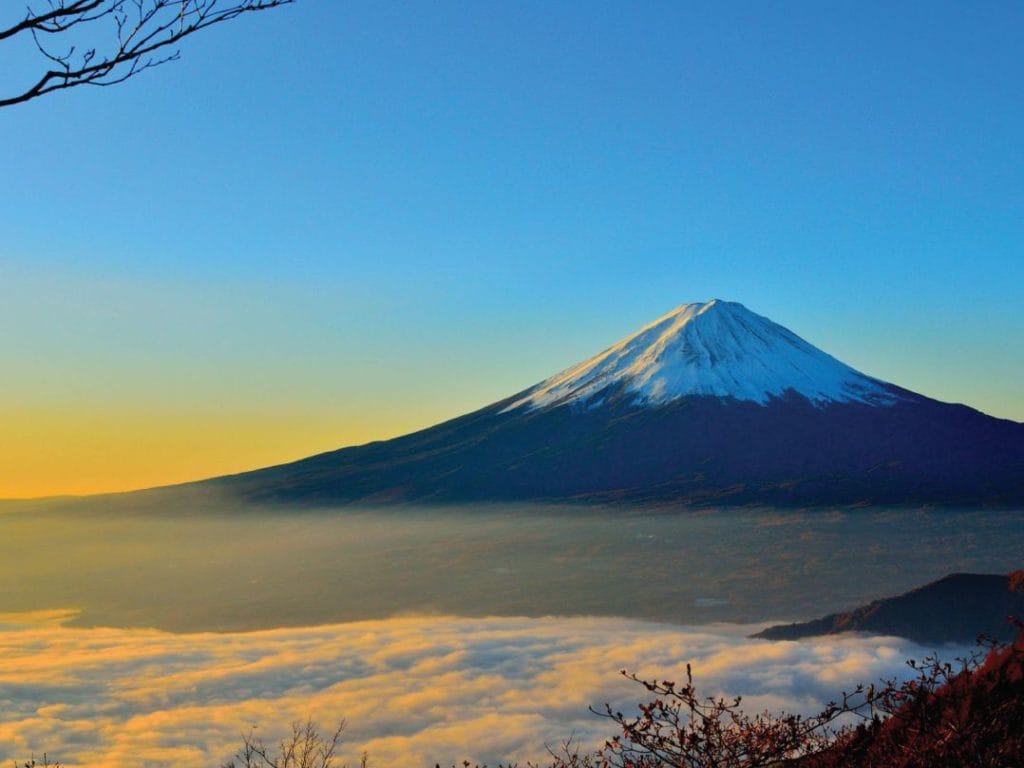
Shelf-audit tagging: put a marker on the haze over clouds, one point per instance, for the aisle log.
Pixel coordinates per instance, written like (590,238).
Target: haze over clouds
(413,690)
(195,568)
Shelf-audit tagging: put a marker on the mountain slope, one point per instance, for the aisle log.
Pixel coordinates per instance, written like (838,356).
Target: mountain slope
(954,609)
(711,404)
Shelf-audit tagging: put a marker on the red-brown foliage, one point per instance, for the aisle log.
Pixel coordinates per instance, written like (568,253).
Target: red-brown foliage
(968,716)
(973,718)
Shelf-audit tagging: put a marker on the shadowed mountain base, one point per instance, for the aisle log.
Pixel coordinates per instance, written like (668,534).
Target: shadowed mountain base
(696,451)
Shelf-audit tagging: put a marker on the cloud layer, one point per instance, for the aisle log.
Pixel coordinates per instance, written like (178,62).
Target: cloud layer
(414,691)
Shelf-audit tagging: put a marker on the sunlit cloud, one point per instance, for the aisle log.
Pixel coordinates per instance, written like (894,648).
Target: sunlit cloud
(414,691)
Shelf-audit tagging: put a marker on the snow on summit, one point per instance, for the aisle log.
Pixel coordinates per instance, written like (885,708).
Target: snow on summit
(718,348)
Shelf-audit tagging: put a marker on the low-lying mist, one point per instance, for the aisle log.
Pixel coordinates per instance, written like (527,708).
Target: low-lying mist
(195,563)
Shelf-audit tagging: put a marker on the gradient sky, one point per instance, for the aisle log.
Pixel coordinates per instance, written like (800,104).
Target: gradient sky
(337,222)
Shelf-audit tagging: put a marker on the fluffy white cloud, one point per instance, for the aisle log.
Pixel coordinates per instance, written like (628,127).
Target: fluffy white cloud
(414,691)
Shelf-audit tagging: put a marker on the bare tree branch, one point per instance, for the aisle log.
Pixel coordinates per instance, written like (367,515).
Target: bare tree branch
(304,748)
(53,20)
(104,42)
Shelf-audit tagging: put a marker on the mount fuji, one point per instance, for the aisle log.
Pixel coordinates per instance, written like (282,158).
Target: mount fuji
(709,405)
(717,349)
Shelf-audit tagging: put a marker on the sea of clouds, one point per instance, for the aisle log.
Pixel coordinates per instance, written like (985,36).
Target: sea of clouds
(414,691)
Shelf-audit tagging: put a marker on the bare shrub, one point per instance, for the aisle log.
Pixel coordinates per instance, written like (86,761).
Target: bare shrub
(305,748)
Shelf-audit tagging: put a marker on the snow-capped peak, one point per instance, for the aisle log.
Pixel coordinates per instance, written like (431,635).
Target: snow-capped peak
(718,348)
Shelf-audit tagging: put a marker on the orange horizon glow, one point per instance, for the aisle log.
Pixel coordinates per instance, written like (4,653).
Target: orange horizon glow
(64,452)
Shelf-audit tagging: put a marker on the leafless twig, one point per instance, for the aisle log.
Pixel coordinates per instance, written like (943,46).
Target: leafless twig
(104,42)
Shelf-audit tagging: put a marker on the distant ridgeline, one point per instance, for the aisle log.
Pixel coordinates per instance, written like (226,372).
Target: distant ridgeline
(709,405)
(954,609)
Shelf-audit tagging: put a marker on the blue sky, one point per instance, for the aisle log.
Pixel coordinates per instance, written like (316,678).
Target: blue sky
(340,221)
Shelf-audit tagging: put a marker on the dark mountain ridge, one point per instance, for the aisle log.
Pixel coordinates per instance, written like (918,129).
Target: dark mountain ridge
(954,609)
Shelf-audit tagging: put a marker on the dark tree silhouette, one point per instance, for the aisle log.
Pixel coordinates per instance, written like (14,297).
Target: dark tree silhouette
(104,42)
